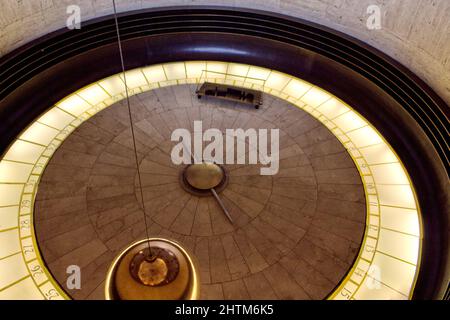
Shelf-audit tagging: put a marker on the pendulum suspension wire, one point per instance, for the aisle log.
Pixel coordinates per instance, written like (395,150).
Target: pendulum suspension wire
(132,127)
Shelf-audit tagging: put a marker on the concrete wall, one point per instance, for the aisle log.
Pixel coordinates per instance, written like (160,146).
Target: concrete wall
(414,32)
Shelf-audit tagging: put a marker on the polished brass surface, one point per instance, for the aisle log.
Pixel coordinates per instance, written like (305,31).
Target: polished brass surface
(204,176)
(160,267)
(151,279)
(152,273)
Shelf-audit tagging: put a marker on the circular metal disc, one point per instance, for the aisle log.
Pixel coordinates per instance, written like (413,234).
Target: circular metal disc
(158,268)
(169,275)
(204,176)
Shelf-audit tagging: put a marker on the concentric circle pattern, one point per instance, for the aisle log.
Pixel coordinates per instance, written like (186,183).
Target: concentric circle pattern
(295,233)
(385,267)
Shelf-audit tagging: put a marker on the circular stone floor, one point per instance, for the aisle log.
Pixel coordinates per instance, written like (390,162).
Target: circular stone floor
(295,234)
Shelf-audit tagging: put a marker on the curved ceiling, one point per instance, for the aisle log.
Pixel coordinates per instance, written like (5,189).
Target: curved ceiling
(415,33)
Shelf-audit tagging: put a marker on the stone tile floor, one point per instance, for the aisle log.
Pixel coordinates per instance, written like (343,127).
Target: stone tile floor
(295,235)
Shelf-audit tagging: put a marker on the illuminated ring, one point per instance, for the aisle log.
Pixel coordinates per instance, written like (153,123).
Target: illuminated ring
(392,239)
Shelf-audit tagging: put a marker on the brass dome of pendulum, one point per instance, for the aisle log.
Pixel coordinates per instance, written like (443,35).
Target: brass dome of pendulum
(204,176)
(151,268)
(168,272)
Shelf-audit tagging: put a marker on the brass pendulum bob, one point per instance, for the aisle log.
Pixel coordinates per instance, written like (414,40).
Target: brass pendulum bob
(169,272)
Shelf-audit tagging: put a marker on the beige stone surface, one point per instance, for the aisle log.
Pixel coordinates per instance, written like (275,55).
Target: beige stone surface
(295,234)
(414,32)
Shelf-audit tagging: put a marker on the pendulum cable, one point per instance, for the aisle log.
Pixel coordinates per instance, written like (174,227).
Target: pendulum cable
(150,257)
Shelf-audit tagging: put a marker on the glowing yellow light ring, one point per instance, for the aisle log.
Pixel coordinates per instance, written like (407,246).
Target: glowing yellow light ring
(393,235)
